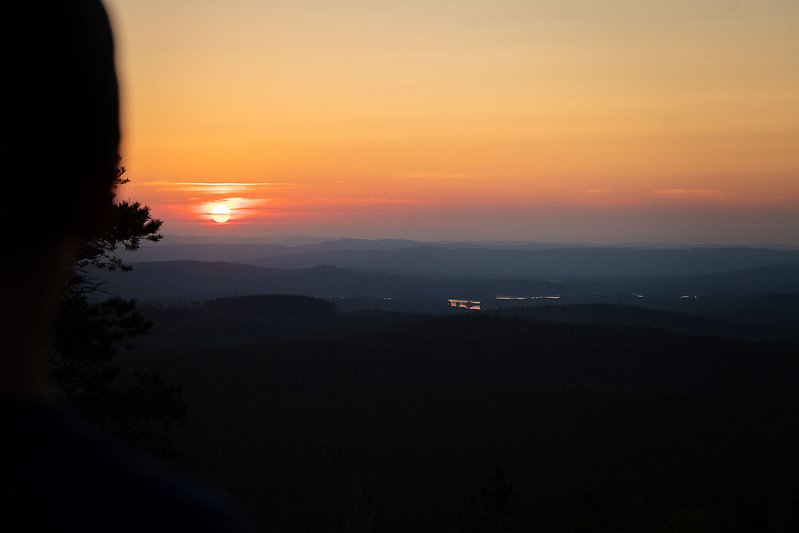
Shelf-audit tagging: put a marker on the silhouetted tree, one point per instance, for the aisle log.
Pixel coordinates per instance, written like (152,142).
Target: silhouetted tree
(753,515)
(689,520)
(357,517)
(91,328)
(587,515)
(494,510)
(635,516)
(792,519)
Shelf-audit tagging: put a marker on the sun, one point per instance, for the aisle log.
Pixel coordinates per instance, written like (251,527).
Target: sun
(220,213)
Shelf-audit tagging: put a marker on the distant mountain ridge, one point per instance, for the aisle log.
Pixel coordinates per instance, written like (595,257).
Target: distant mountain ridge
(549,262)
(247,252)
(395,255)
(198,280)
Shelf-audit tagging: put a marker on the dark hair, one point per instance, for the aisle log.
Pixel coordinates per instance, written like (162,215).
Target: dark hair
(62,114)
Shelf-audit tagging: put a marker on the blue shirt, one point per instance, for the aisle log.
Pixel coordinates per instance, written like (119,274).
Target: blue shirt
(58,474)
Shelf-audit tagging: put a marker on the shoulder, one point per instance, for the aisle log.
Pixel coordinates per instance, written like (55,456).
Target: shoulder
(61,475)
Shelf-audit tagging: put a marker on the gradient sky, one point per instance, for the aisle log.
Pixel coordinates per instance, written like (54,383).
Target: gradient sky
(586,120)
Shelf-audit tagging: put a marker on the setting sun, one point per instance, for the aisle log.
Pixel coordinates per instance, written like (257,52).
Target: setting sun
(580,120)
(220,214)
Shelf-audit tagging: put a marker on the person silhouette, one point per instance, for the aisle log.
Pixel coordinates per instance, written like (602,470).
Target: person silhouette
(62,135)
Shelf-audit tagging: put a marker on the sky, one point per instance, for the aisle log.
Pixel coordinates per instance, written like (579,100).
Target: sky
(548,120)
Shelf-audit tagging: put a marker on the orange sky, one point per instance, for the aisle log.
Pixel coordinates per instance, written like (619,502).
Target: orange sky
(590,120)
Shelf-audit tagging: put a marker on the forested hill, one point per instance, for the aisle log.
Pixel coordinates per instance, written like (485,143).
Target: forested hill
(333,421)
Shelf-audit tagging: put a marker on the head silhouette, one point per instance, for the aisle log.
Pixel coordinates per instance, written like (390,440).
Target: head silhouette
(62,119)
(62,116)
